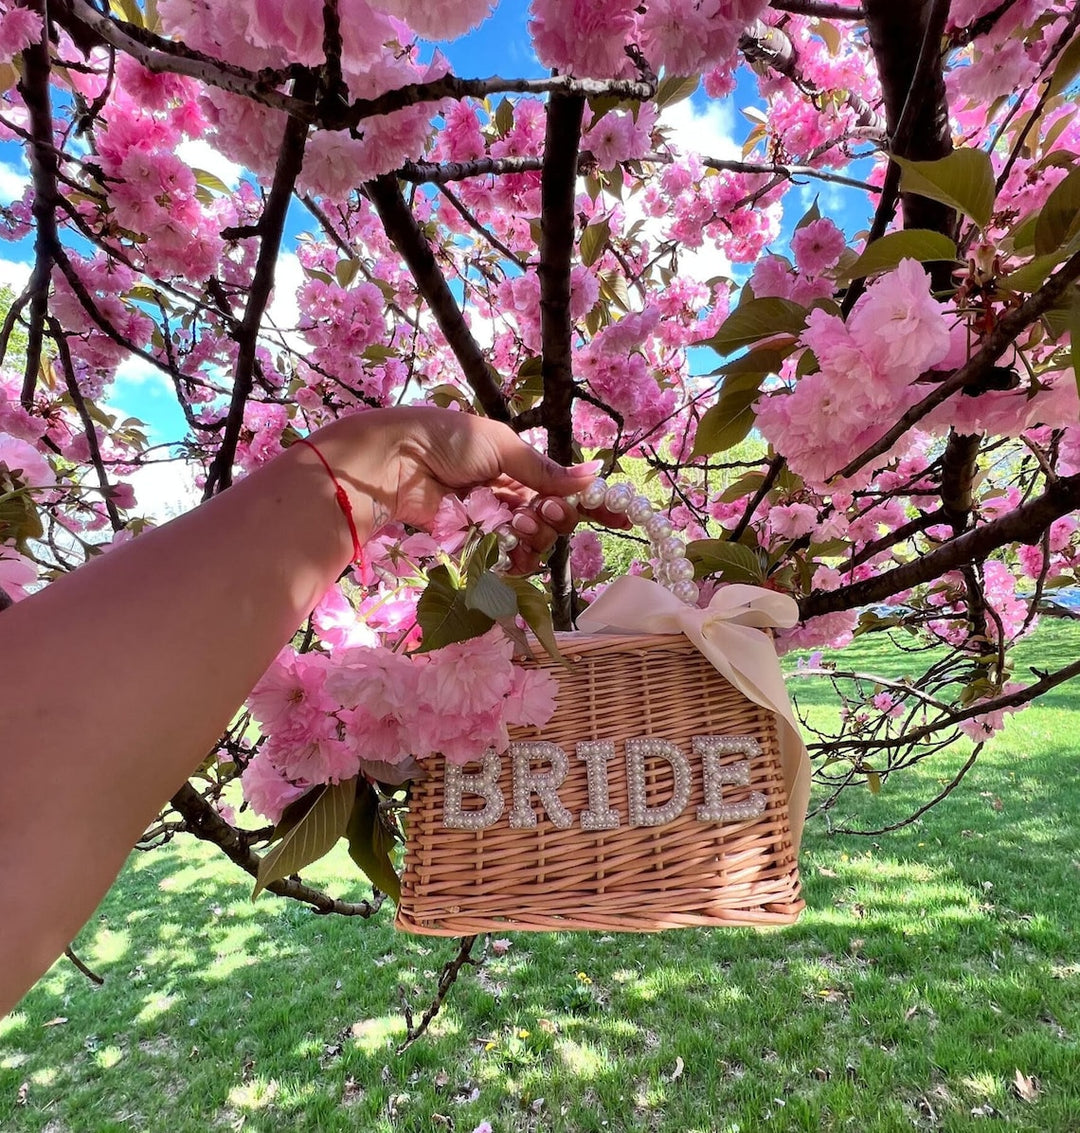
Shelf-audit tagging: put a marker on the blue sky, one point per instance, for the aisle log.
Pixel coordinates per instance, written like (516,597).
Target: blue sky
(499,46)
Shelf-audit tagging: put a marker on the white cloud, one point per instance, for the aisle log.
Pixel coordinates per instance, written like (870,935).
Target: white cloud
(136,371)
(164,491)
(709,131)
(15,274)
(13,182)
(199,154)
(289,277)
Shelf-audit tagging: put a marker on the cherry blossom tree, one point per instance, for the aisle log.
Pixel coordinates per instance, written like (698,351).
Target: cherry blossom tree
(882,422)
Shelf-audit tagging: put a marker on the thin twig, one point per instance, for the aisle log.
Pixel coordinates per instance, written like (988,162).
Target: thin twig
(202,820)
(407,236)
(57,332)
(272,228)
(92,976)
(447,977)
(1024,524)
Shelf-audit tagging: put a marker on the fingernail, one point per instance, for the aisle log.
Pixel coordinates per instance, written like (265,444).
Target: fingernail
(525,524)
(549,509)
(590,467)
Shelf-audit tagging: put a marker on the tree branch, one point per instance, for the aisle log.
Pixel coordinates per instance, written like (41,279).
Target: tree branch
(57,332)
(34,88)
(480,230)
(290,160)
(772,47)
(961,37)
(205,823)
(159,55)
(788,171)
(563,135)
(819,8)
(438,173)
(1024,524)
(410,241)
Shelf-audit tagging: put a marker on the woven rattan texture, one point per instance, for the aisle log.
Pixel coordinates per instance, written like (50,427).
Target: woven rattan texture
(684,873)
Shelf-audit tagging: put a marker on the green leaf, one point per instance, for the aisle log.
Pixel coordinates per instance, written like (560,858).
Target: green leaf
(812,213)
(675,88)
(754,320)
(1066,68)
(730,419)
(1074,342)
(964,179)
(309,837)
(533,606)
(211,181)
(1059,220)
(593,241)
(127,10)
(613,288)
(19,518)
(345,271)
(444,614)
(730,561)
(1032,275)
(504,117)
(763,361)
(371,844)
(922,244)
(491,596)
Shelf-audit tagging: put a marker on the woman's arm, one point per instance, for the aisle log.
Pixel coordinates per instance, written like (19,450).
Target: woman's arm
(118,679)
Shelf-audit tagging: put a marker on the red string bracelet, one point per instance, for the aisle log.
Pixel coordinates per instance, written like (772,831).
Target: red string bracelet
(343,501)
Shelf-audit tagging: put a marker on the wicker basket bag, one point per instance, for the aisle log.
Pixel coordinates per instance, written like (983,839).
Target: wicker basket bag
(668,789)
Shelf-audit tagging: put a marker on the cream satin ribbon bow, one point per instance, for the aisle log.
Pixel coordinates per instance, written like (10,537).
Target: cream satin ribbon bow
(726,632)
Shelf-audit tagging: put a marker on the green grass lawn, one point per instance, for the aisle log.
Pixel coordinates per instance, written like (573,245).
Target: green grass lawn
(930,968)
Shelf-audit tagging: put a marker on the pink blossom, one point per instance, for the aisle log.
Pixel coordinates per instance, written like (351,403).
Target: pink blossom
(455,519)
(293,684)
(899,325)
(267,790)
(888,704)
(531,699)
(585,37)
(17,573)
(982,727)
(19,27)
(24,463)
(818,246)
(792,521)
(586,555)
(440,19)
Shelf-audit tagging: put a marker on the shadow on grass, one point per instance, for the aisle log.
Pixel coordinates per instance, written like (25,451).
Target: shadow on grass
(930,967)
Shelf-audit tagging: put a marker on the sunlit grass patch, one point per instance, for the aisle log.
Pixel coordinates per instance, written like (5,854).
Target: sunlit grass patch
(931,965)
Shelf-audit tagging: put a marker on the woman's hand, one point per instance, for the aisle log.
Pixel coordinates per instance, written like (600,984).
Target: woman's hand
(404,461)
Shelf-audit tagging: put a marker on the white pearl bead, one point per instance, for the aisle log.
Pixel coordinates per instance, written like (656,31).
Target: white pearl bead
(507,539)
(680,570)
(573,499)
(640,510)
(658,527)
(502,562)
(686,592)
(618,497)
(672,548)
(660,573)
(593,496)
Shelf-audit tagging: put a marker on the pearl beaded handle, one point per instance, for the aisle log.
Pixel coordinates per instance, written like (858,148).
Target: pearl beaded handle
(675,571)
